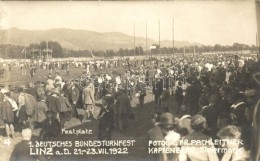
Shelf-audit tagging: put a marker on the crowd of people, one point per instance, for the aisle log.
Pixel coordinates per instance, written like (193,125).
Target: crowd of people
(208,97)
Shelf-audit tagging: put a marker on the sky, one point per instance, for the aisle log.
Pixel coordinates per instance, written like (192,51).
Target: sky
(205,22)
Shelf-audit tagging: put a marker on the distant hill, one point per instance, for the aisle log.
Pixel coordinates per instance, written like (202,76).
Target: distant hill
(80,39)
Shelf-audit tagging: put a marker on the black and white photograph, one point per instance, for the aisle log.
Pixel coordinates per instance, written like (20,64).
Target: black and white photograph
(130,80)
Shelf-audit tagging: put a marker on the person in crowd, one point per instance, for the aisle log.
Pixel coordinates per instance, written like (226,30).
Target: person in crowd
(166,130)
(31,90)
(51,127)
(40,113)
(156,118)
(58,79)
(106,121)
(165,99)
(21,113)
(8,115)
(157,91)
(141,88)
(123,109)
(224,108)
(237,114)
(50,81)
(232,141)
(65,109)
(210,112)
(88,99)
(251,101)
(22,149)
(184,121)
(192,96)
(192,151)
(73,95)
(178,95)
(52,101)
(203,102)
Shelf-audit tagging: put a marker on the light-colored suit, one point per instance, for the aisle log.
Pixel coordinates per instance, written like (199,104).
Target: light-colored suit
(88,94)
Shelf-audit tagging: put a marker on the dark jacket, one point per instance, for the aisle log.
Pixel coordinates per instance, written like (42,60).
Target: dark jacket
(53,103)
(73,95)
(211,114)
(8,114)
(64,104)
(22,152)
(51,129)
(107,119)
(32,91)
(123,105)
(238,114)
(158,88)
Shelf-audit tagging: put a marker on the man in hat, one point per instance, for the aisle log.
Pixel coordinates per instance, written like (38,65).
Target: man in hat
(88,99)
(52,101)
(106,117)
(8,114)
(58,79)
(31,90)
(22,149)
(73,95)
(160,132)
(51,127)
(192,149)
(122,109)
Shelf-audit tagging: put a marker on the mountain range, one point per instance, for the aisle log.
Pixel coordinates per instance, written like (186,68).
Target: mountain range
(81,39)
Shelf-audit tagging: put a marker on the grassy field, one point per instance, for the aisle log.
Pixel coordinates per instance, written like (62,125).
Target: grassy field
(137,130)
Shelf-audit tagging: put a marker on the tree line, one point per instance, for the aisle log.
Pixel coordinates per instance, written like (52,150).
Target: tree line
(34,50)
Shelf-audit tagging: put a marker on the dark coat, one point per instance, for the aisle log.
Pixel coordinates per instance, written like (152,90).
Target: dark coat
(255,149)
(73,95)
(123,105)
(53,104)
(22,152)
(158,88)
(107,119)
(32,91)
(155,134)
(64,104)
(238,115)
(8,114)
(51,129)
(211,114)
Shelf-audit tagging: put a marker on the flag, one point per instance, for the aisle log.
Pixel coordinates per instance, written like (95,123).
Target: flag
(23,50)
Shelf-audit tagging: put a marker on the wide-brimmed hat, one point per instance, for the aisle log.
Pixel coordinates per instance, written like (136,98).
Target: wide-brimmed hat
(167,119)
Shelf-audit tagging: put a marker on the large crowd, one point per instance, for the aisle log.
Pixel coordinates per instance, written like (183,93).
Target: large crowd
(215,97)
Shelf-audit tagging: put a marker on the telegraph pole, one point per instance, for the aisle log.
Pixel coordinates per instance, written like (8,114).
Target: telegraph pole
(134,36)
(159,37)
(146,40)
(173,35)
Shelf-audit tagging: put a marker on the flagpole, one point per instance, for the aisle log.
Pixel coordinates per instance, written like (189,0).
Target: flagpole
(159,37)
(51,51)
(40,53)
(134,36)
(193,51)
(146,40)
(173,35)
(47,52)
(25,54)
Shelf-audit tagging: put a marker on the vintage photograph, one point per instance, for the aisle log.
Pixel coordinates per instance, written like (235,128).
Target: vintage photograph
(129,81)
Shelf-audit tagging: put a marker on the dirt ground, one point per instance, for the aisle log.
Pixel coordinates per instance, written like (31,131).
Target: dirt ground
(137,130)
